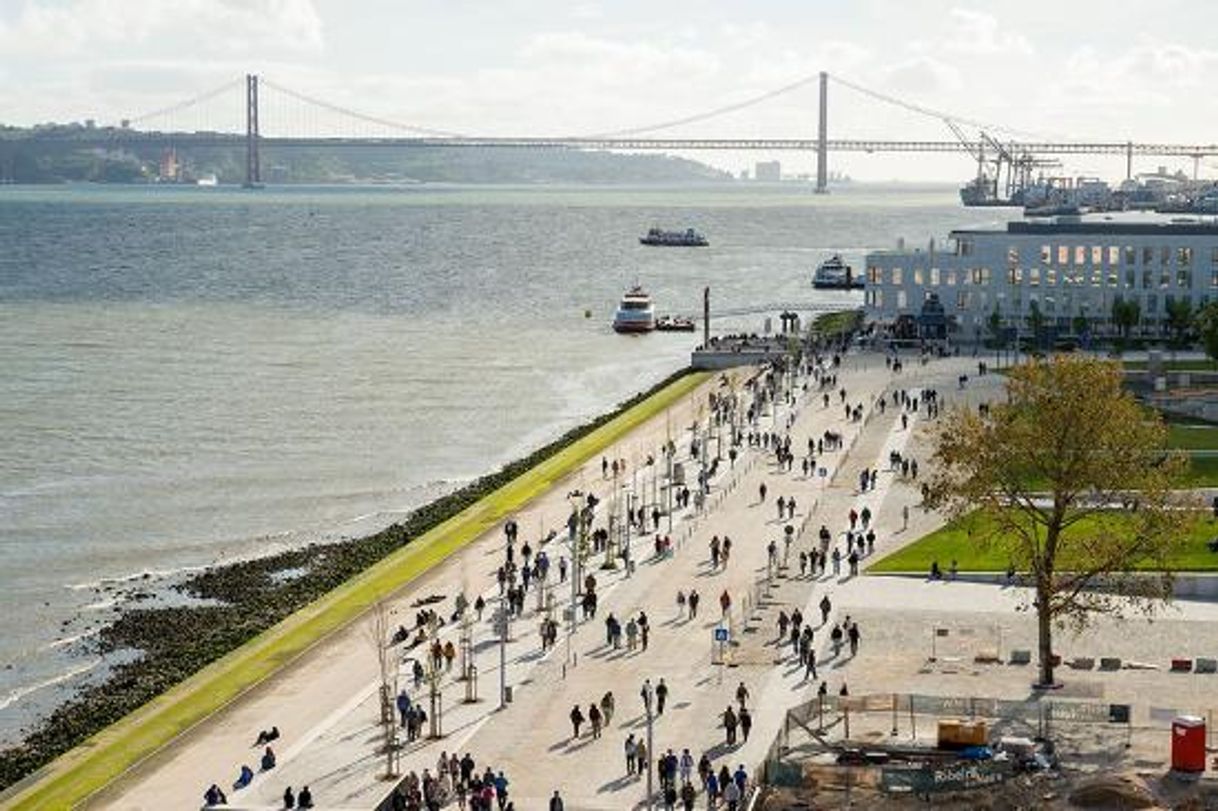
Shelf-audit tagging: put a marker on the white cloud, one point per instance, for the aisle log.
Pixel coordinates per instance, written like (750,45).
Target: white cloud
(977,33)
(90,28)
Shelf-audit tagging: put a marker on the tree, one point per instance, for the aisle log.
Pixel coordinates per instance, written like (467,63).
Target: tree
(1179,317)
(1080,322)
(1125,315)
(1036,321)
(1042,472)
(1206,322)
(995,326)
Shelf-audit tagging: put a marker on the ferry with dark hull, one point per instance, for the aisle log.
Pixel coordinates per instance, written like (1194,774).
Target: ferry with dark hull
(689,238)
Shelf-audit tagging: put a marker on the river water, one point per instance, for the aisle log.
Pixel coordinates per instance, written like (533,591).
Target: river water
(190,374)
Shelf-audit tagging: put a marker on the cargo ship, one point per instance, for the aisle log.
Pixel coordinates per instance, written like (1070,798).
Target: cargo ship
(689,238)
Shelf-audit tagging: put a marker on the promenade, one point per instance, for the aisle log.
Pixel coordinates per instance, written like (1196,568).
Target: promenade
(325,703)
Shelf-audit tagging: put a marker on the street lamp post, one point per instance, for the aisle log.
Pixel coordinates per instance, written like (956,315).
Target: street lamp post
(648,696)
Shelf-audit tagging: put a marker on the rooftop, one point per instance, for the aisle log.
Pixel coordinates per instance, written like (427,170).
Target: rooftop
(1112,222)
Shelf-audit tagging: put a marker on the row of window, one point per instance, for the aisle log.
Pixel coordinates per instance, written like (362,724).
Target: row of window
(1067,255)
(1048,303)
(1049,277)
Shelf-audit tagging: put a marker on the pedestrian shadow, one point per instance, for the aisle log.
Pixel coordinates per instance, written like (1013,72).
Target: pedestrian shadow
(618,784)
(681,705)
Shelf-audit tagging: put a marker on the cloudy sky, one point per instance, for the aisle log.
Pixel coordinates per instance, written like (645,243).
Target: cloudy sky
(1078,69)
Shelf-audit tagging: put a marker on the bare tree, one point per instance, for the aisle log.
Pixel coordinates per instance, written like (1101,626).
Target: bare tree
(378,631)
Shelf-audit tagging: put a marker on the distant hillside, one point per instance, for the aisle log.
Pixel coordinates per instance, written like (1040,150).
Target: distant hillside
(61,161)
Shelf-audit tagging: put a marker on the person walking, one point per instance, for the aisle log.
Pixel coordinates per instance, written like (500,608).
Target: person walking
(742,695)
(630,748)
(577,718)
(693,604)
(556,803)
(746,723)
(725,602)
(853,635)
(810,663)
(594,718)
(661,696)
(825,607)
(729,725)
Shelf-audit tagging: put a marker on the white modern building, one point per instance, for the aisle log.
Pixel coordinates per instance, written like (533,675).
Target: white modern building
(1063,266)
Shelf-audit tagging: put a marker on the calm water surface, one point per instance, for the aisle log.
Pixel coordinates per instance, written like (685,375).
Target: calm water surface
(193,374)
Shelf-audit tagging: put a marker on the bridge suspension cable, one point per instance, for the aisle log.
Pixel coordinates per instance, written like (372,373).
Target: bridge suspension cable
(368,119)
(940,114)
(718,111)
(171,109)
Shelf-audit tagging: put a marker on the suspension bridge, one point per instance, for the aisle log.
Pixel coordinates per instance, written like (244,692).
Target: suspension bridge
(166,127)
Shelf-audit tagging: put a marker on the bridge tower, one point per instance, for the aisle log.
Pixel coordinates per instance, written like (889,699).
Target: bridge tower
(253,168)
(822,137)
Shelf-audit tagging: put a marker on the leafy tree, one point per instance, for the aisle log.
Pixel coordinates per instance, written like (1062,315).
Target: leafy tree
(1179,317)
(994,325)
(1043,471)
(1036,320)
(1080,322)
(1206,322)
(1125,315)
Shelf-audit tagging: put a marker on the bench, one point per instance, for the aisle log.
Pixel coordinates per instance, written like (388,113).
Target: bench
(1110,663)
(1021,657)
(1206,665)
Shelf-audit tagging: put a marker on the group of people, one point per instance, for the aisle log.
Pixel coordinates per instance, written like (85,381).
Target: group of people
(215,796)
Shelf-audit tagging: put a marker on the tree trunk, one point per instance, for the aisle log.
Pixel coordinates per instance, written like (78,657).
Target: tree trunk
(1044,627)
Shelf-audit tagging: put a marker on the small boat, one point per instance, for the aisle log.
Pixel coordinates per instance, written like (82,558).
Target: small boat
(673,323)
(689,238)
(834,274)
(635,313)
(207,180)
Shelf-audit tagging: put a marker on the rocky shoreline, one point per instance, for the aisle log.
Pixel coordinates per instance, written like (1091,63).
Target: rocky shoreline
(238,601)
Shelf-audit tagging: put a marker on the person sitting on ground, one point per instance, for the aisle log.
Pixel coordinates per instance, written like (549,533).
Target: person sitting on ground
(244,778)
(268,759)
(266,736)
(214,796)
(305,798)
(935,572)
(400,635)
(289,799)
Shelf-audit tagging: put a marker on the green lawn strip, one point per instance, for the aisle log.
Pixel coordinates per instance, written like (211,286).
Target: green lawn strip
(1191,365)
(955,541)
(1192,436)
(86,769)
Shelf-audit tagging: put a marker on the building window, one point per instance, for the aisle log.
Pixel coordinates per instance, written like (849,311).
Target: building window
(1184,278)
(1214,278)
(934,277)
(1114,276)
(1097,277)
(897,277)
(1097,254)
(1033,277)
(1165,255)
(1184,256)
(964,247)
(1148,255)
(951,278)
(879,298)
(1165,279)
(961,299)
(1152,303)
(1114,255)
(1050,277)
(1131,278)
(1050,304)
(1063,255)
(1148,279)
(1080,254)
(918,277)
(1131,255)
(981,275)
(1012,256)
(873,275)
(1046,254)
(1214,256)
(1015,276)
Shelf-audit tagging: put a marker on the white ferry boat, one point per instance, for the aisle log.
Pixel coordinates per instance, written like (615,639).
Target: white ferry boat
(635,313)
(834,274)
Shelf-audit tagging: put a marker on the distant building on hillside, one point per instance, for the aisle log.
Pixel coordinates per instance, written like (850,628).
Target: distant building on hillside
(768,171)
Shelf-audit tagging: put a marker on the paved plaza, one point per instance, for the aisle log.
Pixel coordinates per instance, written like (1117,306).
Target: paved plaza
(325,704)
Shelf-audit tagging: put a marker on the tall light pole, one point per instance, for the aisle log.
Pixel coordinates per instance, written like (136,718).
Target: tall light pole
(502,620)
(648,696)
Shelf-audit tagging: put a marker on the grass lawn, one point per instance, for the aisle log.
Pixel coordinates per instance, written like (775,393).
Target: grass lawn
(81,772)
(954,541)
(1192,436)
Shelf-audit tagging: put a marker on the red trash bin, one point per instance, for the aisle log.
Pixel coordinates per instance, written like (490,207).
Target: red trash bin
(1188,743)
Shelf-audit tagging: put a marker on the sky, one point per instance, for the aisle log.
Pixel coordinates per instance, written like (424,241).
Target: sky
(1079,69)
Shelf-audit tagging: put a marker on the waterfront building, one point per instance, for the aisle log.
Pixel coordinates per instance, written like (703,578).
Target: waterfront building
(1063,267)
(768,171)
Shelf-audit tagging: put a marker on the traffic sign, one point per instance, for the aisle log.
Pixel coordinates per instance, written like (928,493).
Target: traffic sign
(720,634)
